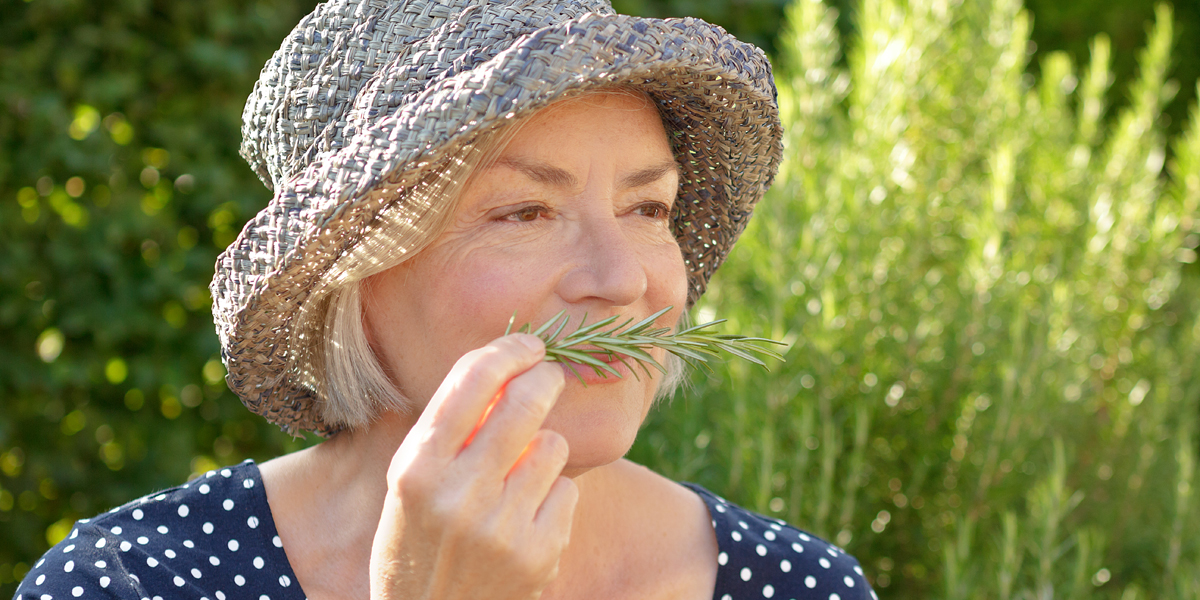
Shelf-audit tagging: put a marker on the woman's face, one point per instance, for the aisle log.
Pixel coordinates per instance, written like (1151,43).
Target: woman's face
(573,215)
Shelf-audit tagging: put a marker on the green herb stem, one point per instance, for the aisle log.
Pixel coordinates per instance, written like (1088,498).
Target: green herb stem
(595,345)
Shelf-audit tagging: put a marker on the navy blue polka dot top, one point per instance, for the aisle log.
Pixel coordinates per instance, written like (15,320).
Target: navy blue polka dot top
(213,538)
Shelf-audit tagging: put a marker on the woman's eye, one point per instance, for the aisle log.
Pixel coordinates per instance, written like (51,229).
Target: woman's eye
(525,215)
(654,210)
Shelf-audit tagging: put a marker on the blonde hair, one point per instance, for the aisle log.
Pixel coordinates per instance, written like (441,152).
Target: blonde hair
(345,371)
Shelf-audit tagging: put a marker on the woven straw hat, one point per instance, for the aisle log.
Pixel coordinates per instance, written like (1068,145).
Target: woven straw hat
(366,99)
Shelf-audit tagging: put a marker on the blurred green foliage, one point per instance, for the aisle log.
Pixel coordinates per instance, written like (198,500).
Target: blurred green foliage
(119,182)
(926,253)
(989,283)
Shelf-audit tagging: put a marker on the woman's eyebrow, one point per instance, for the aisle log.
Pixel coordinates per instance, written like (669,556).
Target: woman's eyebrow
(649,174)
(540,172)
(553,176)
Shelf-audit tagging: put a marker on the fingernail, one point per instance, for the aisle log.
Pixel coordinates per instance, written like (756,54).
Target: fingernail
(532,342)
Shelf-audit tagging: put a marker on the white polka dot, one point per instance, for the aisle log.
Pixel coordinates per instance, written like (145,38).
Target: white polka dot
(220,595)
(858,569)
(238,579)
(160,497)
(47,597)
(769,535)
(135,578)
(101,564)
(768,591)
(247,483)
(125,546)
(797,547)
(831,552)
(233,545)
(170,553)
(100,543)
(824,562)
(68,549)
(116,530)
(720,508)
(143,540)
(40,579)
(104,581)
(138,514)
(745,573)
(227,504)
(196,574)
(264,597)
(849,582)
(834,597)
(70,566)
(810,582)
(785,565)
(208,528)
(214,561)
(726,597)
(188,544)
(776,527)
(743,525)
(722,558)
(737,536)
(204,489)
(75,532)
(163,529)
(805,538)
(285,581)
(226,473)
(153,562)
(252,522)
(178,581)
(258,562)
(77,591)
(761,550)
(278,542)
(184,510)
(873,595)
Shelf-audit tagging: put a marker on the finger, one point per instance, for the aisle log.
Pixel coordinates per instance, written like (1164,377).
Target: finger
(554,517)
(475,381)
(537,469)
(515,418)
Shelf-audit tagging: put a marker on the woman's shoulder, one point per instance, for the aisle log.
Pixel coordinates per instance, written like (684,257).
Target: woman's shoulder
(761,557)
(212,537)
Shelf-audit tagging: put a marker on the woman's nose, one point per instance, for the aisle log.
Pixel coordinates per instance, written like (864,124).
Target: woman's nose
(603,265)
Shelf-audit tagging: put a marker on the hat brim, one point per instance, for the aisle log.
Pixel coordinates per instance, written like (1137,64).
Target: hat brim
(718,101)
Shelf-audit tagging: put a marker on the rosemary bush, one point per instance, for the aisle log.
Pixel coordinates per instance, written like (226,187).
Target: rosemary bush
(989,291)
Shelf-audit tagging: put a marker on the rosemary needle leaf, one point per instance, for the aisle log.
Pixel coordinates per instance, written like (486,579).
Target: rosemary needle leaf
(597,344)
(550,323)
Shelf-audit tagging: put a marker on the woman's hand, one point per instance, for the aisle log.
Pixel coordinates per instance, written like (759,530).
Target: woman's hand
(476,505)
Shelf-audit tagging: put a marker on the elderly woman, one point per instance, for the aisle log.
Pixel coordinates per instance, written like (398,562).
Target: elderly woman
(436,167)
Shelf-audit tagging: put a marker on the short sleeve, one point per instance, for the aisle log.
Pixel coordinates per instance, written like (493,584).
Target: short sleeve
(87,564)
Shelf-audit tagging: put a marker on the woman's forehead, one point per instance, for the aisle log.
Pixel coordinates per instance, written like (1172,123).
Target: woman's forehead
(569,128)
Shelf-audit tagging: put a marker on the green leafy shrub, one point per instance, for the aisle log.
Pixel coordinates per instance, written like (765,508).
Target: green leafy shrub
(990,293)
(119,183)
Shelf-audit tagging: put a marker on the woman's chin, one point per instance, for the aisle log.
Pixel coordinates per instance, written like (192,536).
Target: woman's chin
(595,438)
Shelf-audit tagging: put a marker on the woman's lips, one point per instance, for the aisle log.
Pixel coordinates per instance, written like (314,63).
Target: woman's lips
(591,377)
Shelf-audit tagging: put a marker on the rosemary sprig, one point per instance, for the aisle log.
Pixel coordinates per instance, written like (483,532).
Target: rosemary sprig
(591,344)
